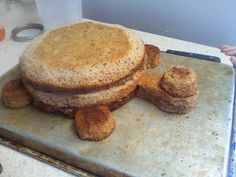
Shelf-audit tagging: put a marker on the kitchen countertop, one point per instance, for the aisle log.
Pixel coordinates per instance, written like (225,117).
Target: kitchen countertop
(16,164)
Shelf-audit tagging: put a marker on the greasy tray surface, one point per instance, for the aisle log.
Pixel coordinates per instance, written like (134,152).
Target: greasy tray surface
(146,141)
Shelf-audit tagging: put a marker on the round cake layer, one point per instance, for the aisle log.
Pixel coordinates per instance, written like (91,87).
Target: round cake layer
(104,97)
(83,55)
(71,111)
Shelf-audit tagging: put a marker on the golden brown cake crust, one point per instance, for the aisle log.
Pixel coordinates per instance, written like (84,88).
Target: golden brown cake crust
(70,111)
(165,106)
(89,45)
(67,99)
(14,95)
(179,81)
(150,81)
(89,55)
(94,123)
(119,103)
(149,88)
(44,107)
(82,88)
(153,55)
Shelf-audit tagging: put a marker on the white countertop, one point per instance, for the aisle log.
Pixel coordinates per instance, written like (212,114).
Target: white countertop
(16,164)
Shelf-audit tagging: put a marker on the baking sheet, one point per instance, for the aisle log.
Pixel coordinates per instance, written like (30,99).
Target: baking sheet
(146,141)
(45,158)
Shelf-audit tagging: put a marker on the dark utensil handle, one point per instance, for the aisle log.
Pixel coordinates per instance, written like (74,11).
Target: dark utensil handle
(195,55)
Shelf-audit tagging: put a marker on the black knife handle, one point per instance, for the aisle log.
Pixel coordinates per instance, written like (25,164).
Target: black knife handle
(195,55)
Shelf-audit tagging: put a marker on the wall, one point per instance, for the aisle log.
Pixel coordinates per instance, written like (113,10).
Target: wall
(209,22)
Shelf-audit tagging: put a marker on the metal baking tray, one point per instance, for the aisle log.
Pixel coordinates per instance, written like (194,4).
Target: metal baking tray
(146,141)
